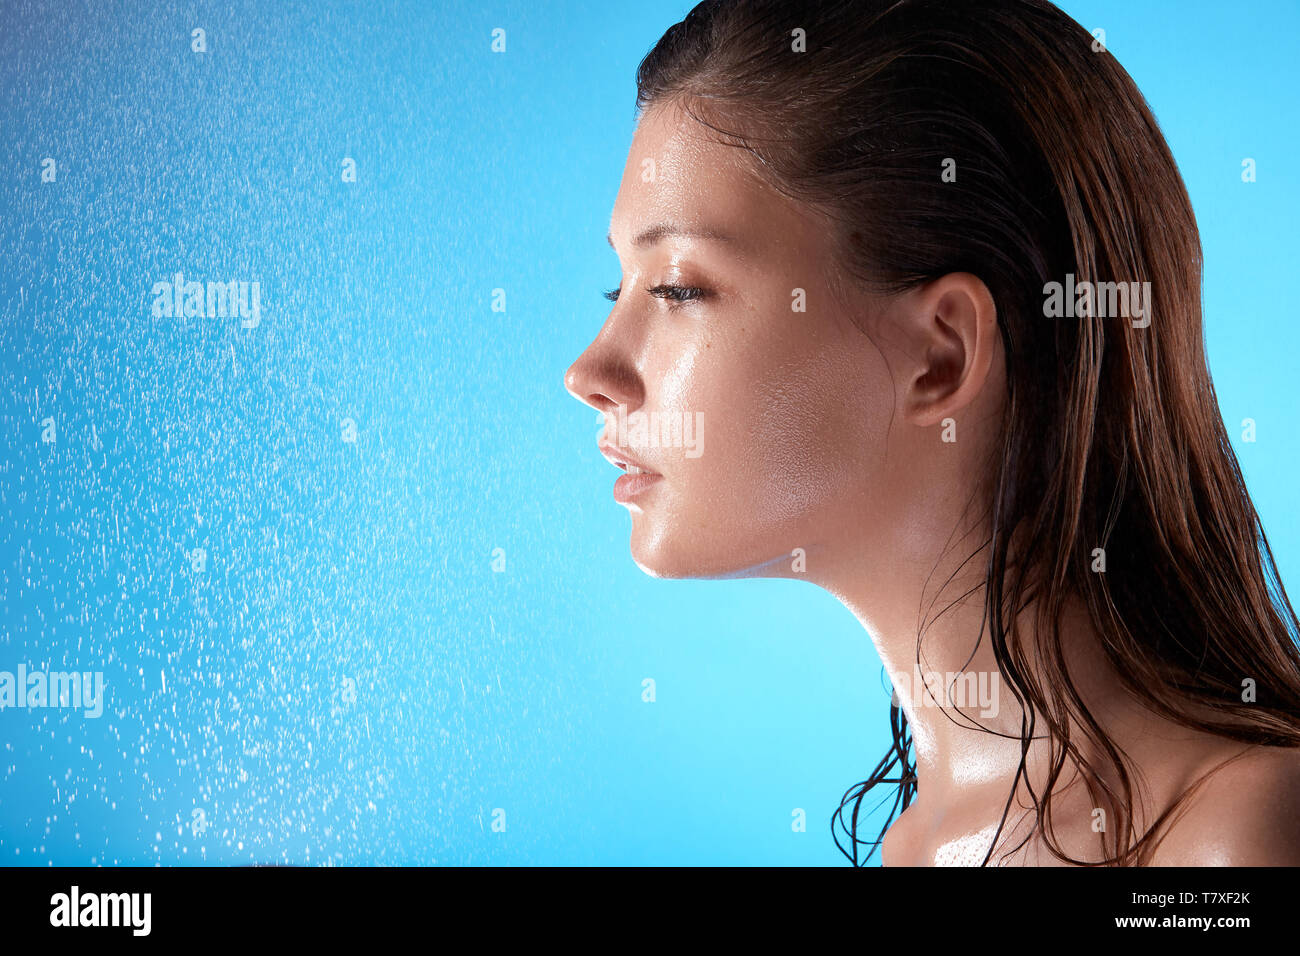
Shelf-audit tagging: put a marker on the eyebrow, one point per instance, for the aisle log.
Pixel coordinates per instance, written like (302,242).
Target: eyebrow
(664,230)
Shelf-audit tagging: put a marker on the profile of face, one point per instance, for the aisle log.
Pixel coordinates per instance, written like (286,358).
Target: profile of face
(734,370)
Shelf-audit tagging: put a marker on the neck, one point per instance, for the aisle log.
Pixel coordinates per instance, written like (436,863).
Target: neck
(965,720)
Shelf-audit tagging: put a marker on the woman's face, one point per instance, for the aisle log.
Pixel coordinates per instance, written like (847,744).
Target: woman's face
(763,408)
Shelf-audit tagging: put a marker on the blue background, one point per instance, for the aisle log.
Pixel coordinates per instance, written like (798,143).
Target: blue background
(372,560)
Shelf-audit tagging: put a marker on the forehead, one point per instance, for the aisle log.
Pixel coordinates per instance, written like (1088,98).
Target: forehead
(677,172)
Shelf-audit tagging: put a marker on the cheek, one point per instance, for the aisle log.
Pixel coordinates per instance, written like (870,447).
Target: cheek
(790,436)
(802,456)
(683,385)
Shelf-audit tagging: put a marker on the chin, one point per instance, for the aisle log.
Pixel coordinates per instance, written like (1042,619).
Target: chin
(657,553)
(677,553)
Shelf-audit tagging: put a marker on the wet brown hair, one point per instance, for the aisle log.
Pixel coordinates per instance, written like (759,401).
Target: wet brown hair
(1112,437)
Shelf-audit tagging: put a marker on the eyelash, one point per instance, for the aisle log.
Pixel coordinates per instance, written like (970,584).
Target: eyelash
(675,295)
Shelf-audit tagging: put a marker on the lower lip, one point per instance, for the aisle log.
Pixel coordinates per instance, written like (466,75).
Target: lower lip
(629,486)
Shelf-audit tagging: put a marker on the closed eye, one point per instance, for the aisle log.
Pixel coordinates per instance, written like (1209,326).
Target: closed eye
(672,293)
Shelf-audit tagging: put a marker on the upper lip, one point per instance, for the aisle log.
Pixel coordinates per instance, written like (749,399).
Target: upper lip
(622,459)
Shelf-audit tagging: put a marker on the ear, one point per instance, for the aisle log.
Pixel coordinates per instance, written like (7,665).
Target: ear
(951,329)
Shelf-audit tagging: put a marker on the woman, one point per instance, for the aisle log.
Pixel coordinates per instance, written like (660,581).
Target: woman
(911,309)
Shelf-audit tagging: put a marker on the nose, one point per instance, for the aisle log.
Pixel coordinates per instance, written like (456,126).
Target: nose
(604,379)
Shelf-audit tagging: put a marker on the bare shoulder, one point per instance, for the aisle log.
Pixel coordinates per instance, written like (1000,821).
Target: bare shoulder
(1247,813)
(898,846)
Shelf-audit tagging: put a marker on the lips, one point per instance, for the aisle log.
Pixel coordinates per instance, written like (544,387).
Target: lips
(622,459)
(639,478)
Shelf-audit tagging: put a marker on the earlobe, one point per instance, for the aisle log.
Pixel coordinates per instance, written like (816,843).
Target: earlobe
(954,331)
